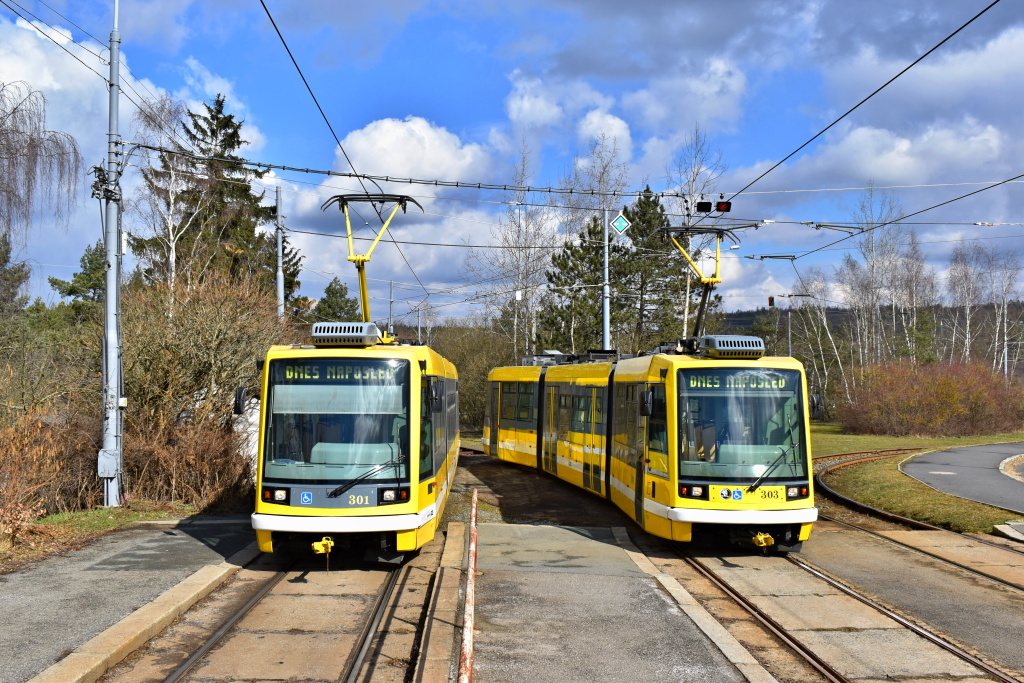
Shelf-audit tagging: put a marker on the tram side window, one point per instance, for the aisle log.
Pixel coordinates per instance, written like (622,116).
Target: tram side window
(620,436)
(453,409)
(599,412)
(657,423)
(564,408)
(580,414)
(509,398)
(426,436)
(526,404)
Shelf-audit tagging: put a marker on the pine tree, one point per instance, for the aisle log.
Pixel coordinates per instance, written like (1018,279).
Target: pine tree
(90,283)
(571,316)
(336,304)
(204,213)
(13,277)
(654,281)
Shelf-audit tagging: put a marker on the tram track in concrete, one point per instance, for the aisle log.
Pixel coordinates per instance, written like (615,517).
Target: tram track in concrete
(356,622)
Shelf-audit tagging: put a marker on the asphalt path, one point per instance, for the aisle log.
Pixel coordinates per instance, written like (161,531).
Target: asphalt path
(50,609)
(972,473)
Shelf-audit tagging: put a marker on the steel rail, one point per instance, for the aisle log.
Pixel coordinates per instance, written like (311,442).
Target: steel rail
(906,623)
(354,666)
(808,655)
(219,634)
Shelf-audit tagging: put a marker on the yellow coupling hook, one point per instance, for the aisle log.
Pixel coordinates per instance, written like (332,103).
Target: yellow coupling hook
(763,540)
(323,547)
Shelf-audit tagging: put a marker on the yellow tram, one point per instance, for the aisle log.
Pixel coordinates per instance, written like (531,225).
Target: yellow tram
(358,433)
(711,443)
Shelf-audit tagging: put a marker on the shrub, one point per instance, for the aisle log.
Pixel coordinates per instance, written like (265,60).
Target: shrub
(932,400)
(30,466)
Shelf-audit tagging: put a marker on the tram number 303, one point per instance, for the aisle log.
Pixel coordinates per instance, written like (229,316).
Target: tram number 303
(771,494)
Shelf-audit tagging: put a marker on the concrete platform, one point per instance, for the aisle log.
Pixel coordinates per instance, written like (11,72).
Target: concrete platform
(572,604)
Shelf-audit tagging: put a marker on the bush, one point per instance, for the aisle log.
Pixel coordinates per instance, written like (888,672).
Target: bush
(932,400)
(181,369)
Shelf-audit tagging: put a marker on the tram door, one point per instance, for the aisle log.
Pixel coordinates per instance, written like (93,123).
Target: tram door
(495,419)
(550,457)
(639,443)
(591,458)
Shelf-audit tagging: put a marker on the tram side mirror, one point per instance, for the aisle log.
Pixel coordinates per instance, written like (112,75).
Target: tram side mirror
(434,396)
(239,400)
(646,403)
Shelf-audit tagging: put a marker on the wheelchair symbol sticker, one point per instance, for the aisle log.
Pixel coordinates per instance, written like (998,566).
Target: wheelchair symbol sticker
(737,494)
(306,498)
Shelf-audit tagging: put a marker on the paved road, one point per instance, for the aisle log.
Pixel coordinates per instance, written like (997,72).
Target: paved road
(972,473)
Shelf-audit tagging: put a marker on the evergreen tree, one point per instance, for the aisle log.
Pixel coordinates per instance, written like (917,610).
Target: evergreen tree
(205,216)
(336,305)
(90,283)
(571,316)
(13,277)
(654,281)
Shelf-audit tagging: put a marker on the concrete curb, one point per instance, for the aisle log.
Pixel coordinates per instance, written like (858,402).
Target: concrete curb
(92,659)
(729,646)
(1007,531)
(437,647)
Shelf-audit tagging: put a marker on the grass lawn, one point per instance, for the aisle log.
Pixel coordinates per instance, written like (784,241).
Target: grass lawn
(880,484)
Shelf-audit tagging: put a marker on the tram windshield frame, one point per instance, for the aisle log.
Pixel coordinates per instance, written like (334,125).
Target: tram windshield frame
(739,424)
(334,420)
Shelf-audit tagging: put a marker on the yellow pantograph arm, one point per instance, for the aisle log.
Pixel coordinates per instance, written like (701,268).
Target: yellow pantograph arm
(716,278)
(361,260)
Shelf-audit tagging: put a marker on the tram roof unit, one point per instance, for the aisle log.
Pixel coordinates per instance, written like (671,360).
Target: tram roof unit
(715,347)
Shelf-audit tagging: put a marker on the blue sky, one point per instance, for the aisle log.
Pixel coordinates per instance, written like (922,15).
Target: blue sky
(451,89)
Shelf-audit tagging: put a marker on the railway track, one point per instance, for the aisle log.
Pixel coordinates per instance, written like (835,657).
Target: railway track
(828,661)
(354,660)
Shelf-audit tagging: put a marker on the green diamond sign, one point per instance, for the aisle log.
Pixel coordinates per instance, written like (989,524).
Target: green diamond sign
(620,223)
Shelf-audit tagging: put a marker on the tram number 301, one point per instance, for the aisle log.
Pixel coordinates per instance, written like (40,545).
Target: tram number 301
(359,501)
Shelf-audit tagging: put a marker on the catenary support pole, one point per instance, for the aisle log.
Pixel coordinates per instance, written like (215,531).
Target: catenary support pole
(280,255)
(606,335)
(109,465)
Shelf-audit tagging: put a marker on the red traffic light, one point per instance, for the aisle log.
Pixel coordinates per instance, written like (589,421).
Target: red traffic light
(723,207)
(771,301)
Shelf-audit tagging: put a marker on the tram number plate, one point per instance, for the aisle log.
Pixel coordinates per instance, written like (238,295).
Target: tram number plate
(771,493)
(359,498)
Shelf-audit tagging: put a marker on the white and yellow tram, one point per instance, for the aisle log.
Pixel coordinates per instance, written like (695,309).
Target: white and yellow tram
(714,443)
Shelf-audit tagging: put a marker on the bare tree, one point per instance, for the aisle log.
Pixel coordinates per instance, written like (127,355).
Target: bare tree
(160,202)
(693,173)
(36,164)
(512,270)
(965,295)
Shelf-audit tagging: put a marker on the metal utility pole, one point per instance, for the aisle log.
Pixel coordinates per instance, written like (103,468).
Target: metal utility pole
(789,332)
(606,334)
(391,308)
(109,464)
(280,255)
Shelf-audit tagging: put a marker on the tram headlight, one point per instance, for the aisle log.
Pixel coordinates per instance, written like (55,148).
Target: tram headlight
(698,491)
(388,495)
(796,492)
(271,495)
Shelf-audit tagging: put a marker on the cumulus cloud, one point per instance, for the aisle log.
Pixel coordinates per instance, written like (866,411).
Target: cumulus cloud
(413,147)
(713,95)
(599,123)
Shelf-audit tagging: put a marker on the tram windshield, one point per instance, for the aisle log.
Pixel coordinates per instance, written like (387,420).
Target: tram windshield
(333,420)
(741,424)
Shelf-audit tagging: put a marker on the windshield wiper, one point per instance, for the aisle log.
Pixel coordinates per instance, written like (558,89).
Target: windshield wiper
(771,468)
(366,475)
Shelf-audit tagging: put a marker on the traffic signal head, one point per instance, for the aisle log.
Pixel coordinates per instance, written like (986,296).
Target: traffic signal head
(703,207)
(771,301)
(723,206)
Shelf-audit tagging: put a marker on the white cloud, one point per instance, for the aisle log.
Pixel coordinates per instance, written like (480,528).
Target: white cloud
(413,147)
(672,102)
(599,122)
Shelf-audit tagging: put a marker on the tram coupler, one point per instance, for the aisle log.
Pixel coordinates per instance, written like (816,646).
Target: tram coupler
(323,547)
(763,540)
